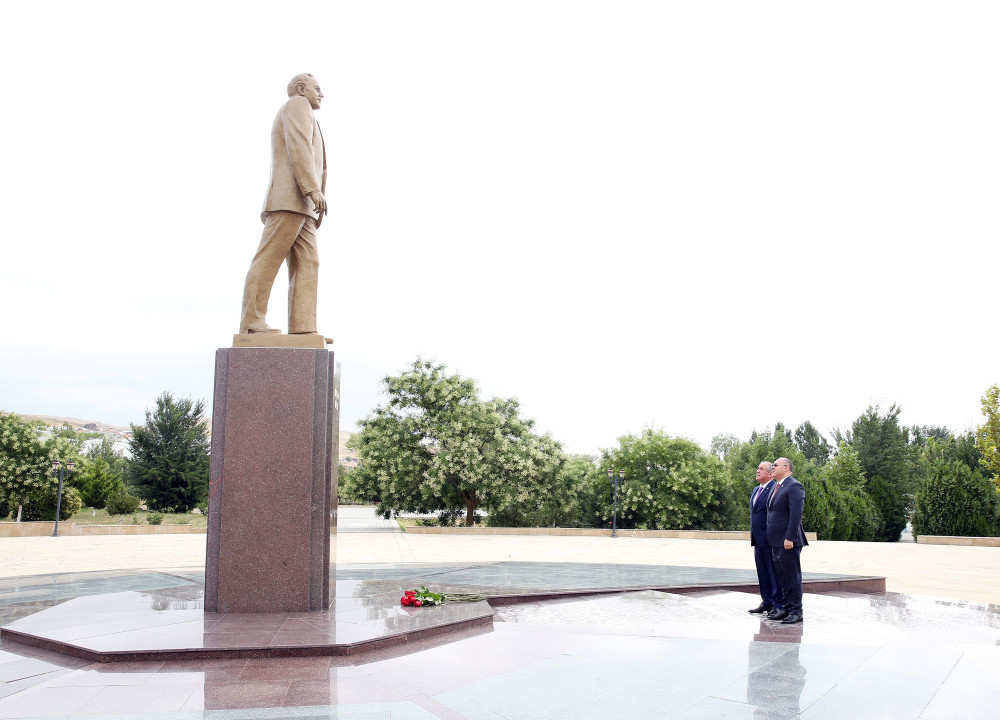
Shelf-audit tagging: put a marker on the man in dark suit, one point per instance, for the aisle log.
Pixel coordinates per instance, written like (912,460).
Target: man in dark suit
(767,577)
(786,538)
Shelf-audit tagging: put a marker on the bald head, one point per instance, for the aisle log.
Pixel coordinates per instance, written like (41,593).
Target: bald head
(298,83)
(782,468)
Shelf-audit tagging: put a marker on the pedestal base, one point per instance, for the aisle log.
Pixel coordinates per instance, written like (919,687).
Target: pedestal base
(272,485)
(277,340)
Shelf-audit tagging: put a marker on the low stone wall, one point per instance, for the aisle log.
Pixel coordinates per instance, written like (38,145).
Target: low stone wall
(141,530)
(70,527)
(958,540)
(594,532)
(36,529)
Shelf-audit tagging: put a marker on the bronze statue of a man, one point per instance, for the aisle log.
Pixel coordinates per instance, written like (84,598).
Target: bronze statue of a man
(293,209)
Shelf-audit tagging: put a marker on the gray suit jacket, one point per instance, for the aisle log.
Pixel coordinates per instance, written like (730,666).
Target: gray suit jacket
(298,160)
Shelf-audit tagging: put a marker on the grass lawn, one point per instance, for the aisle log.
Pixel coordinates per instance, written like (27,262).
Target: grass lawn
(88,516)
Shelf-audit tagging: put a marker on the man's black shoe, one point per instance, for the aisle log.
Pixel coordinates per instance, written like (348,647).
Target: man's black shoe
(762,608)
(777,615)
(791,620)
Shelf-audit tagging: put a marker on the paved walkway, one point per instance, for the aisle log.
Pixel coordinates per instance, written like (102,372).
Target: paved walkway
(364,519)
(946,571)
(642,656)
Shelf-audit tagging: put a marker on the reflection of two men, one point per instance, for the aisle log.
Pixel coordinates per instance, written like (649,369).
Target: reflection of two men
(775,681)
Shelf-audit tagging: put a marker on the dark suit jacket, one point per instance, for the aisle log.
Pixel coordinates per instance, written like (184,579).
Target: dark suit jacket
(758,514)
(784,514)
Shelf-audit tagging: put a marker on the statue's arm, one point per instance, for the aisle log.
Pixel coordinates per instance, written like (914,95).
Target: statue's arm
(297,123)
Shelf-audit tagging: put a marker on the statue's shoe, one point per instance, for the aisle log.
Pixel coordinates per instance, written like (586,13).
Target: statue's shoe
(260,330)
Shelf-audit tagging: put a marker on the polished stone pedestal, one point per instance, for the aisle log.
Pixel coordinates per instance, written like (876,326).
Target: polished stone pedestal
(272,485)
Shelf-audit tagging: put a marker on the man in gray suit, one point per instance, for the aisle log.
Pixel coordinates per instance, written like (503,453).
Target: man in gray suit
(293,209)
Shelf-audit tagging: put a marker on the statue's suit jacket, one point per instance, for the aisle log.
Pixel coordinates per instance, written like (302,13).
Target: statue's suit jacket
(298,160)
(784,514)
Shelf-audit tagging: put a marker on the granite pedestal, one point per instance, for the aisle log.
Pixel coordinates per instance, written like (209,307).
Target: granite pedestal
(272,485)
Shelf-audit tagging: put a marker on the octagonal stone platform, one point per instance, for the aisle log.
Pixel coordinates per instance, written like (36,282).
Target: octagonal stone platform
(162,616)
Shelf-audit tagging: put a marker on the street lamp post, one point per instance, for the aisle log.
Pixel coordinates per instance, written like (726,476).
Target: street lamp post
(615,477)
(62,468)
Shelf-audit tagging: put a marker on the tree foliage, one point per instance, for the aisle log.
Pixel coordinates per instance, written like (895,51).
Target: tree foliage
(988,434)
(811,443)
(96,480)
(590,496)
(723,444)
(953,498)
(852,515)
(41,506)
(845,470)
(122,502)
(743,459)
(670,483)
(559,503)
(836,507)
(170,455)
(436,446)
(25,469)
(882,450)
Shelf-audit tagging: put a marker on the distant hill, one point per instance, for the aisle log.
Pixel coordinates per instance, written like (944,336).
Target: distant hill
(58,421)
(347,459)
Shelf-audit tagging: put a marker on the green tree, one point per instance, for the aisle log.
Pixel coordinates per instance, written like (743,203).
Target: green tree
(988,434)
(553,503)
(882,450)
(25,469)
(436,446)
(41,506)
(952,498)
(845,470)
(811,443)
(593,491)
(122,503)
(723,444)
(852,513)
(835,508)
(920,434)
(170,455)
(101,474)
(670,483)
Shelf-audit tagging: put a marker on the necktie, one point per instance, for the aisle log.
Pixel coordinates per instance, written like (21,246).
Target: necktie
(773,493)
(756,494)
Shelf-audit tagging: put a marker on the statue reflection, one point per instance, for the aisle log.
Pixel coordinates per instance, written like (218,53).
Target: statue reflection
(775,682)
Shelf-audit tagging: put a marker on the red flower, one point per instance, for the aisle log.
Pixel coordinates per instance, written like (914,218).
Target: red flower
(417,603)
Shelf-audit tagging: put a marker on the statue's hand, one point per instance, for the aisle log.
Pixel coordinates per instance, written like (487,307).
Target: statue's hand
(319,202)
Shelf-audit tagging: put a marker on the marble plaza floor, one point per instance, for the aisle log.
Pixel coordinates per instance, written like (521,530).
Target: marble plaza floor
(627,654)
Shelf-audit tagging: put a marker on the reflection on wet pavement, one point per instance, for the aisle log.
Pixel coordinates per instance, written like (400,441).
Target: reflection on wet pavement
(645,654)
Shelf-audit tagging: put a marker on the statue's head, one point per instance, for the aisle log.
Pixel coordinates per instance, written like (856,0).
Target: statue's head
(307,86)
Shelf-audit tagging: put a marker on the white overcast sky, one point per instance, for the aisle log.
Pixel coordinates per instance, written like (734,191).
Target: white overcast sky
(701,216)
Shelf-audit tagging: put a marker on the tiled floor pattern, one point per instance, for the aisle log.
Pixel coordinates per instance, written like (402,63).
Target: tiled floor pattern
(629,655)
